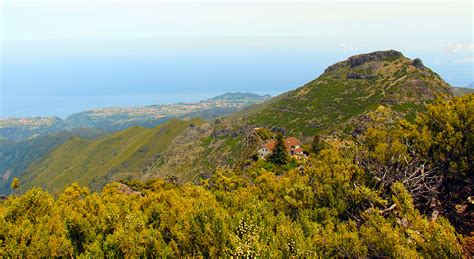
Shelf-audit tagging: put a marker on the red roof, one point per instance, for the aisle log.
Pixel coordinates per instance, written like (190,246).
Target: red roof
(270,145)
(289,142)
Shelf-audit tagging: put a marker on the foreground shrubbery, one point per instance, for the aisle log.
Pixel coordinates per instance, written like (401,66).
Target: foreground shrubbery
(334,204)
(326,211)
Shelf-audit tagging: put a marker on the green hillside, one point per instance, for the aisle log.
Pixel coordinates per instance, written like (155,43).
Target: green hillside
(349,89)
(96,162)
(200,150)
(16,156)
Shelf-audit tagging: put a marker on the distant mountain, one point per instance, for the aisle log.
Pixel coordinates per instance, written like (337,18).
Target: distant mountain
(460,91)
(347,90)
(16,129)
(150,116)
(241,96)
(119,118)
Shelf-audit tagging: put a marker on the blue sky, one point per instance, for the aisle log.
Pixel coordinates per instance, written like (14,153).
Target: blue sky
(60,57)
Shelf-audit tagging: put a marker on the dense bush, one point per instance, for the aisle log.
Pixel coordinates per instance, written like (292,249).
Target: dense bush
(325,210)
(432,157)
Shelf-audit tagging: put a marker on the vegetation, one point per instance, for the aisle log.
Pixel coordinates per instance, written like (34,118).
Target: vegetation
(351,198)
(317,144)
(96,162)
(279,156)
(431,156)
(15,184)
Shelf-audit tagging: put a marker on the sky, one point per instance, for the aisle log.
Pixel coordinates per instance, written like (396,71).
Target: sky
(61,57)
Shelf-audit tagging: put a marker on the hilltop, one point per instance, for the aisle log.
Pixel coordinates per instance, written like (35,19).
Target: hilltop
(241,96)
(185,150)
(348,89)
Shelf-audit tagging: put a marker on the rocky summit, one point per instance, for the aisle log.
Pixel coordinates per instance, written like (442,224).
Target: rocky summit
(360,59)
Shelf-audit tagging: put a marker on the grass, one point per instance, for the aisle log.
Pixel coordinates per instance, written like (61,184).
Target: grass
(96,162)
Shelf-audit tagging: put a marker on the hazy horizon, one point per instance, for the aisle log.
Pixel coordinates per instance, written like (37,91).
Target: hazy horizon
(62,57)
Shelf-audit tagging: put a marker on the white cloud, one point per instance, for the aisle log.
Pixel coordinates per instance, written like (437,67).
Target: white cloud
(459,47)
(437,62)
(464,60)
(346,46)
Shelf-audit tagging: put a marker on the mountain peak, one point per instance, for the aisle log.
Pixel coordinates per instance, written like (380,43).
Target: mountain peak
(351,88)
(240,96)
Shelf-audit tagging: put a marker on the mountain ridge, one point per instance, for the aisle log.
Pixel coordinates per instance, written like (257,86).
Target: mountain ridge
(333,103)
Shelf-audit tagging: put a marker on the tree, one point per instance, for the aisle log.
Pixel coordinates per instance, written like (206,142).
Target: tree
(280,153)
(15,184)
(317,144)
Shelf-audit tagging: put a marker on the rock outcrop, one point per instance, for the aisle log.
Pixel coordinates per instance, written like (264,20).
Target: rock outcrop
(360,59)
(418,64)
(373,56)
